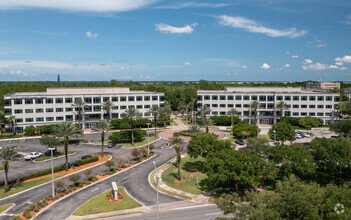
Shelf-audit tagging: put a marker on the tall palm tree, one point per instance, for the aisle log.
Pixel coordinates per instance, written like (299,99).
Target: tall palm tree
(66,130)
(207,122)
(165,113)
(1,117)
(254,106)
(281,106)
(107,107)
(132,114)
(79,104)
(6,154)
(190,107)
(103,126)
(12,120)
(182,107)
(233,112)
(154,111)
(204,110)
(178,142)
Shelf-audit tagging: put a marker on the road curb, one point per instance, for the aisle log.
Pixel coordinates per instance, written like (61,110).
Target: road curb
(4,212)
(55,180)
(62,198)
(54,158)
(142,145)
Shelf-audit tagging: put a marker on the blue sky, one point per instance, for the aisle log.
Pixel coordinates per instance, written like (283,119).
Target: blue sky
(224,40)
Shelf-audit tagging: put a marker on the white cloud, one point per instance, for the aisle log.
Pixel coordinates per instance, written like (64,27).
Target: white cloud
(265,66)
(254,27)
(187,64)
(343,68)
(319,66)
(77,5)
(181,5)
(244,67)
(286,65)
(341,60)
(294,56)
(287,52)
(168,29)
(121,68)
(91,35)
(321,45)
(307,61)
(226,62)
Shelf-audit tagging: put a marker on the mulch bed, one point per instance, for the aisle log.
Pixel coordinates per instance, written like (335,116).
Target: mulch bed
(111,198)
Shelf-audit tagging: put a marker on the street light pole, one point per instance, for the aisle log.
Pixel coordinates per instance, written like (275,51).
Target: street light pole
(148,142)
(157,179)
(275,137)
(52,173)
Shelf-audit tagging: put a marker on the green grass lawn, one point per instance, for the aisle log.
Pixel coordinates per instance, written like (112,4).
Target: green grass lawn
(141,143)
(105,143)
(265,136)
(4,207)
(190,168)
(23,186)
(173,123)
(184,122)
(99,204)
(57,154)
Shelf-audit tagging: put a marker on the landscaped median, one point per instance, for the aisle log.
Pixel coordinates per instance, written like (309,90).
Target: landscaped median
(34,209)
(55,155)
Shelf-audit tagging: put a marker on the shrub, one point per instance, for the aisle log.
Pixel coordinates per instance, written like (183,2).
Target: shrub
(143,151)
(109,164)
(126,136)
(151,147)
(30,130)
(88,173)
(135,152)
(124,166)
(80,184)
(224,120)
(74,178)
(42,173)
(245,130)
(120,161)
(108,173)
(61,194)
(45,203)
(66,191)
(86,161)
(45,129)
(93,178)
(61,185)
(30,208)
(36,210)
(16,218)
(27,215)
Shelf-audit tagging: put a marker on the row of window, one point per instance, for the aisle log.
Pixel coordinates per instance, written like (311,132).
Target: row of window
(267,106)
(247,113)
(88,100)
(263,98)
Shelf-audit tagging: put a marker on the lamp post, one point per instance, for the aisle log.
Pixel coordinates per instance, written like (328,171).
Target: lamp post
(157,179)
(148,142)
(52,173)
(275,135)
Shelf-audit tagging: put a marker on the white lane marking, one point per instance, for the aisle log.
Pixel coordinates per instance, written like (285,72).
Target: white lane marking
(215,213)
(94,189)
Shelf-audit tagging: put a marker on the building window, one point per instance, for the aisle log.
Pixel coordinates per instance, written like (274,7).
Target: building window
(146,98)
(162,104)
(123,107)
(105,99)
(262,98)
(19,120)
(39,119)
(39,110)
(123,98)
(17,101)
(329,98)
(214,113)
(222,105)
(312,98)
(328,106)
(130,98)
(139,98)
(230,97)
(28,111)
(214,97)
(49,101)
(287,98)
(303,113)
(18,111)
(49,118)
(320,98)
(28,101)
(246,106)
(114,115)
(59,118)
(131,106)
(287,113)
(336,98)
(68,100)
(88,108)
(97,108)
(162,98)
(59,109)
(146,114)
(303,98)
(280,98)
(270,98)
(8,111)
(59,100)
(263,105)
(254,97)
(238,97)
(312,106)
(115,108)
(7,102)
(270,106)
(303,106)
(87,100)
(320,114)
(97,100)
(230,106)
(246,97)
(296,98)
(296,106)
(114,99)
(207,97)
(69,117)
(320,106)
(146,106)
(222,97)
(49,110)
(295,114)
(154,98)
(69,109)
(39,101)
(312,114)
(237,105)
(246,113)
(214,105)
(29,119)
(139,106)
(223,113)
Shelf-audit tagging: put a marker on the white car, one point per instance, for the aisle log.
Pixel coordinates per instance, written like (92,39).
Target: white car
(32,155)
(298,136)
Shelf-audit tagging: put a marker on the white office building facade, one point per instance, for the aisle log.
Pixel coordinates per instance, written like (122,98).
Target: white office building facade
(55,105)
(301,103)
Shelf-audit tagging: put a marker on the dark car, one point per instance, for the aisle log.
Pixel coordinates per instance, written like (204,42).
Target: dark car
(240,142)
(334,136)
(111,145)
(307,144)
(48,152)
(86,156)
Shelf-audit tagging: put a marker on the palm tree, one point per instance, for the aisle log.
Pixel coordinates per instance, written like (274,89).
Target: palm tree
(194,129)
(178,142)
(154,111)
(132,114)
(103,126)
(66,130)
(79,104)
(254,106)
(6,154)
(107,106)
(204,110)
(281,106)
(1,117)
(12,120)
(190,106)
(182,107)
(233,112)
(165,113)
(207,122)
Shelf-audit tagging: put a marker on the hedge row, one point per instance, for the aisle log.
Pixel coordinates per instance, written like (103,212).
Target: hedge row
(42,173)
(86,161)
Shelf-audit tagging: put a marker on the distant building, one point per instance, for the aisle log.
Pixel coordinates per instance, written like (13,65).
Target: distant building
(323,85)
(55,105)
(347,92)
(301,102)
(58,78)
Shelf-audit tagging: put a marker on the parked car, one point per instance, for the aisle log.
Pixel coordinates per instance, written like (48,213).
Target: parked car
(334,136)
(241,148)
(48,152)
(307,144)
(86,156)
(240,142)
(111,145)
(298,136)
(32,155)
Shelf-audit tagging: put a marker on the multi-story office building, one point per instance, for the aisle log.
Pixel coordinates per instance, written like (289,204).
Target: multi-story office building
(300,103)
(323,85)
(55,105)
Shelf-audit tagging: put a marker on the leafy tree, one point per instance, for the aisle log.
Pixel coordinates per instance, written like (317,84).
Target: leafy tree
(345,108)
(45,129)
(255,105)
(244,130)
(342,128)
(120,123)
(60,185)
(202,143)
(79,105)
(126,136)
(165,113)
(181,107)
(67,130)
(88,173)
(6,154)
(107,107)
(132,114)
(74,178)
(109,164)
(103,127)
(204,110)
(309,122)
(292,121)
(120,161)
(12,120)
(50,141)
(178,142)
(207,122)
(135,152)
(233,112)
(224,120)
(2,114)
(30,130)
(283,131)
(154,111)
(281,106)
